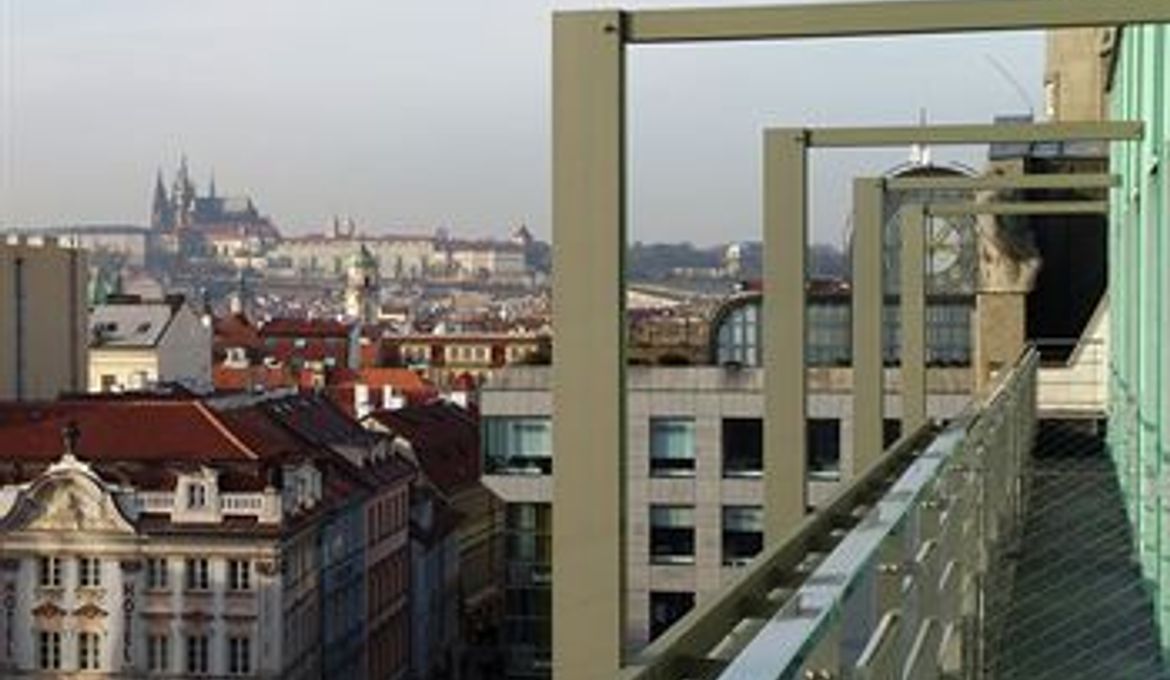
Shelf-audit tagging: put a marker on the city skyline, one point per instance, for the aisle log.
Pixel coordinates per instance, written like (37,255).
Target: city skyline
(333,109)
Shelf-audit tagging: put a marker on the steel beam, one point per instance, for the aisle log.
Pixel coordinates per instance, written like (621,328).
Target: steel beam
(967,135)
(1003,182)
(912,296)
(784,331)
(1019,208)
(867,301)
(786,22)
(588,369)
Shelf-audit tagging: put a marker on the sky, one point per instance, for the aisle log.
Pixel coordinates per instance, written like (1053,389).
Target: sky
(410,115)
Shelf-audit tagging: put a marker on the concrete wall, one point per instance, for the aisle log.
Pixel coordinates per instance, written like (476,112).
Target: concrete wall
(1074,78)
(43,335)
(185,351)
(130,368)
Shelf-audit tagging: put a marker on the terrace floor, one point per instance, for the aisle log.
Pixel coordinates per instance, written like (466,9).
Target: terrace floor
(1074,603)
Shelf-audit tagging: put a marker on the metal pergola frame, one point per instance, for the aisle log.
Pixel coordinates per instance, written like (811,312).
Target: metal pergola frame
(685,646)
(589,190)
(786,222)
(912,290)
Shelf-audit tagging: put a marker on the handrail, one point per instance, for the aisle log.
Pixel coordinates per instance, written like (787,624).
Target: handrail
(790,603)
(707,624)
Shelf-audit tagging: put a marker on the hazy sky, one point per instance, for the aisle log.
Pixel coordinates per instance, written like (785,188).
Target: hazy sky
(414,114)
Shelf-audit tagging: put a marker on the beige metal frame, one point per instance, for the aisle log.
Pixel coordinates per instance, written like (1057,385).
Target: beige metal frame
(785,221)
(912,299)
(589,242)
(913,253)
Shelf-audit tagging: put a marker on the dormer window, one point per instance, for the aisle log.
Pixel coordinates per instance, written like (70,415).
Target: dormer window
(196,496)
(302,490)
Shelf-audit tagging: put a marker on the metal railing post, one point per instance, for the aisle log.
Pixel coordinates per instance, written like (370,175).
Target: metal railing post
(588,368)
(868,300)
(784,334)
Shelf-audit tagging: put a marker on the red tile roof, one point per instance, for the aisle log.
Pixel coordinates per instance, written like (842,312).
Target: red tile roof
(445,439)
(235,330)
(251,378)
(304,328)
(399,378)
(134,429)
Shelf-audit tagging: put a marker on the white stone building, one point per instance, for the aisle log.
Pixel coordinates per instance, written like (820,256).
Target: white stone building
(135,343)
(399,257)
(182,538)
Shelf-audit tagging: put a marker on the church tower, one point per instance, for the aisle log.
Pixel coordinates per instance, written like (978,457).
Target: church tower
(162,218)
(362,287)
(183,196)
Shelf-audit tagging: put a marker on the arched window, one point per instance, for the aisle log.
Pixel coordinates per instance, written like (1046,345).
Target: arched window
(737,337)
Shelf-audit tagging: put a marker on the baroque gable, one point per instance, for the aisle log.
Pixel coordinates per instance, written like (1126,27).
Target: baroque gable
(67,498)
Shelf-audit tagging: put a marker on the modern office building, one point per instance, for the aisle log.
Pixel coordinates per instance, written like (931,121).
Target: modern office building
(693,476)
(43,332)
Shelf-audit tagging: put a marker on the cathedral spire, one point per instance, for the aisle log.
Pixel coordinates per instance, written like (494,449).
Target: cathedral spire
(160,191)
(211,185)
(160,208)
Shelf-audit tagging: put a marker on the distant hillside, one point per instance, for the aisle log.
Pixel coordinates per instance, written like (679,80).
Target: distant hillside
(655,262)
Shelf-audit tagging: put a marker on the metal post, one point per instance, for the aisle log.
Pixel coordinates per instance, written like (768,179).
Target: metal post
(867,301)
(785,242)
(913,307)
(589,355)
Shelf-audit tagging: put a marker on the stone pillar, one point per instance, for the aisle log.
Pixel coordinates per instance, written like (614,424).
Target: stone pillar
(1008,264)
(999,338)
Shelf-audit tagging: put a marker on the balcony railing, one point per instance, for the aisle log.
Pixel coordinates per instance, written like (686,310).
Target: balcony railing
(888,580)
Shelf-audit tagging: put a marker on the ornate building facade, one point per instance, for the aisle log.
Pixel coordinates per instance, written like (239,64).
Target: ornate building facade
(207,545)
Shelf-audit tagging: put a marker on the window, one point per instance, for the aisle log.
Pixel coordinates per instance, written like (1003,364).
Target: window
(738,336)
(829,333)
(528,533)
(517,445)
(948,333)
(157,577)
(197,654)
(89,649)
(743,533)
(891,431)
(158,653)
(239,575)
(109,382)
(89,572)
(672,534)
(824,448)
(196,496)
(666,608)
(239,655)
(672,447)
(49,650)
(197,574)
(743,441)
(49,572)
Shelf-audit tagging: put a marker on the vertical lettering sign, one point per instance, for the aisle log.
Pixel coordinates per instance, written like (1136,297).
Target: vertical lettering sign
(128,623)
(9,616)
